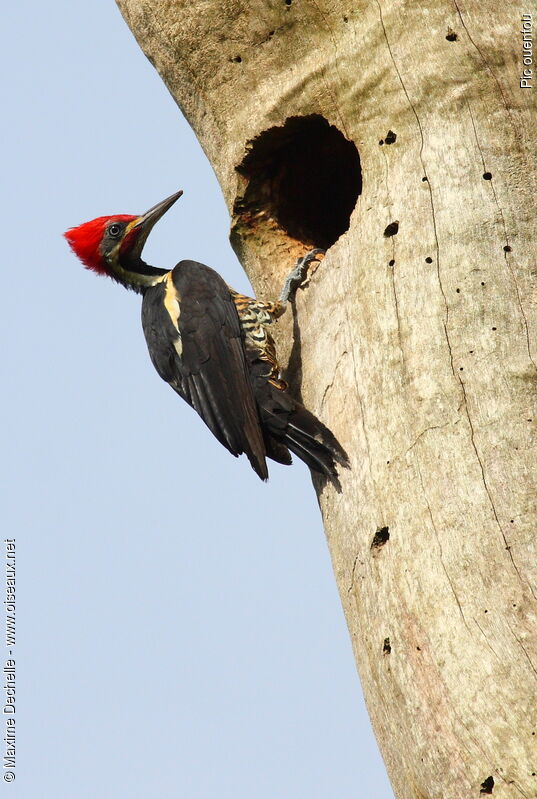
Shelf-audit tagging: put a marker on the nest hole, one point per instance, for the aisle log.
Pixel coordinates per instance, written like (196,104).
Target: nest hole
(305,177)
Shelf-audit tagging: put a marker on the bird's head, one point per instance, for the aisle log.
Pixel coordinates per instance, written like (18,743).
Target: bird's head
(112,245)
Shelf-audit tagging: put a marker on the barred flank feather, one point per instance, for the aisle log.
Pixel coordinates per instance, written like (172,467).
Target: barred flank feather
(287,425)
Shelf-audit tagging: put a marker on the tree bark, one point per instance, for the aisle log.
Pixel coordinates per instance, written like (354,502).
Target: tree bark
(414,340)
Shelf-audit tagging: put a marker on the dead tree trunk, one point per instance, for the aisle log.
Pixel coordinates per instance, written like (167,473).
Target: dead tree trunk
(397,135)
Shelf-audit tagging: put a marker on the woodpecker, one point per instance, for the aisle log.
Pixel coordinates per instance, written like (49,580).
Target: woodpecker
(211,344)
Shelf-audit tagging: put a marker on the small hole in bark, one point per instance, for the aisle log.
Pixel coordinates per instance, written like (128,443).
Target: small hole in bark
(386,647)
(486,611)
(237,59)
(381,142)
(381,536)
(288,2)
(482,282)
(391,263)
(493,328)
(390,137)
(271,34)
(424,180)
(451,36)
(458,291)
(428,260)
(392,229)
(304,178)
(487,785)
(418,648)
(507,248)
(487,175)
(345,19)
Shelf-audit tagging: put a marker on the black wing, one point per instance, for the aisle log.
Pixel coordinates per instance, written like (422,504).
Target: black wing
(194,338)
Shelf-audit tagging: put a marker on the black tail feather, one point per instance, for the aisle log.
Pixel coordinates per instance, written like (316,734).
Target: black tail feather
(309,430)
(317,460)
(288,423)
(277,451)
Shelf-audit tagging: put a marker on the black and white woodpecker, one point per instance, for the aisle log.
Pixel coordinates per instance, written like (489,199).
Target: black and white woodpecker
(212,345)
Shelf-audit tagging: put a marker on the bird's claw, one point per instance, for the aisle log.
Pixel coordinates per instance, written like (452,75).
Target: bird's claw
(298,275)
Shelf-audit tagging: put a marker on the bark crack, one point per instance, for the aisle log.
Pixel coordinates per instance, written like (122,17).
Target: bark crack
(396,306)
(351,586)
(392,267)
(483,633)
(427,429)
(487,489)
(506,238)
(362,416)
(270,35)
(440,547)
(514,784)
(488,67)
(521,645)
(331,383)
(486,756)
(429,187)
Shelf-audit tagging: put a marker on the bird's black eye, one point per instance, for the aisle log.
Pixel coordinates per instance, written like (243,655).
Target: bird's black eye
(114,230)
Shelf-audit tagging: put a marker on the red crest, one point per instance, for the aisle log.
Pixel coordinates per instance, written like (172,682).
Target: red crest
(85,241)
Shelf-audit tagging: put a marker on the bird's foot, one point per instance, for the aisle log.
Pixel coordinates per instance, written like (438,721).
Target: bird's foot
(298,275)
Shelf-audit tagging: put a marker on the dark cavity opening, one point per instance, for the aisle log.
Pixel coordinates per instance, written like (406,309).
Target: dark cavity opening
(381,536)
(306,176)
(386,647)
(391,229)
(487,785)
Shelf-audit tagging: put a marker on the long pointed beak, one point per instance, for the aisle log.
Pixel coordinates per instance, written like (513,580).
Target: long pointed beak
(138,231)
(148,220)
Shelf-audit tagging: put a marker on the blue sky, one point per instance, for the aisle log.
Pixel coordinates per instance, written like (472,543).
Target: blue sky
(179,630)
